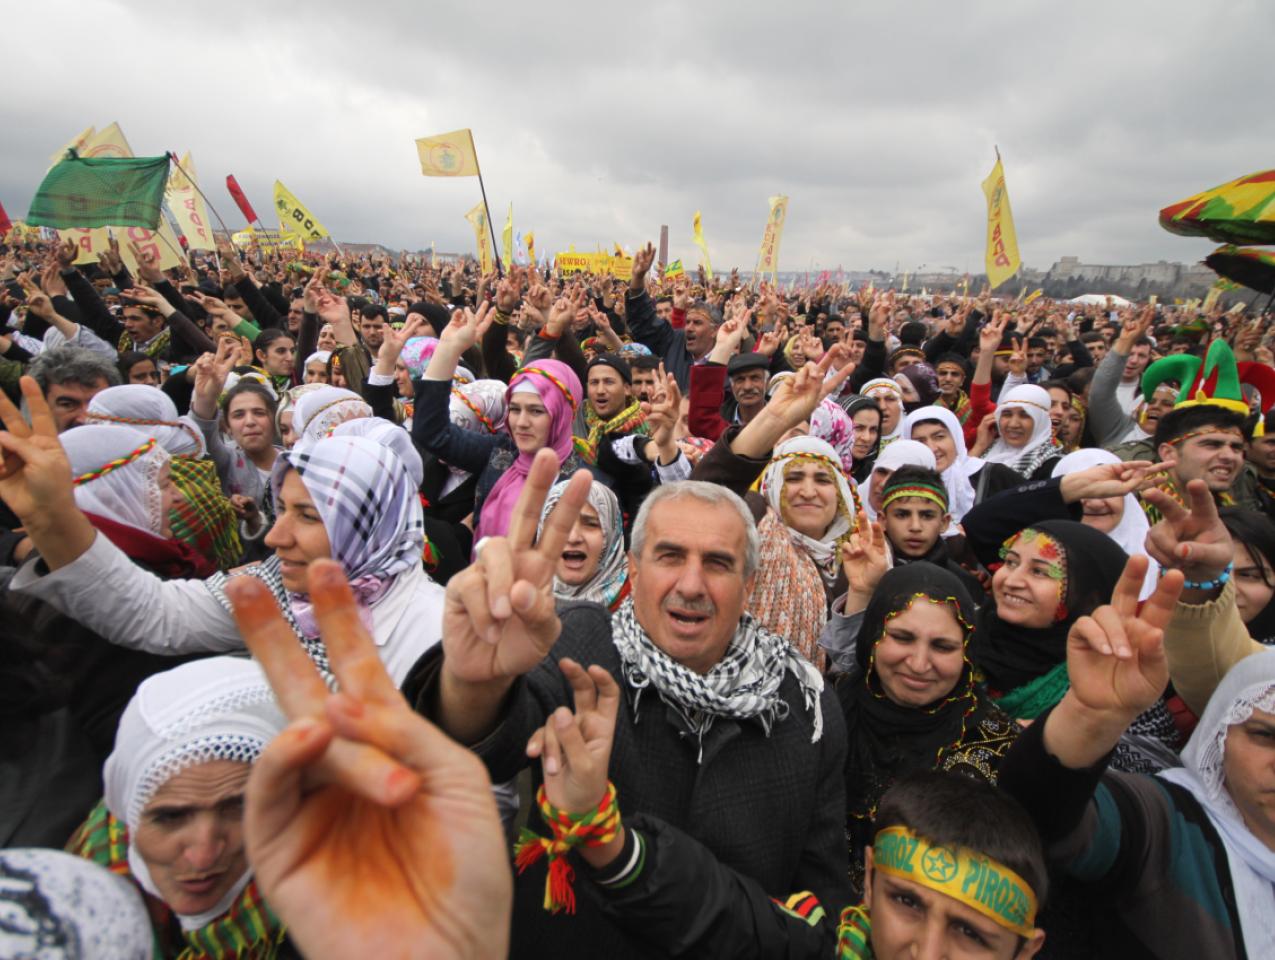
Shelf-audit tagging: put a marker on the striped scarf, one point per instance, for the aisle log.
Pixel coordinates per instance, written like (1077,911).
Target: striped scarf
(158,344)
(1167,486)
(854,935)
(962,407)
(247,931)
(630,420)
(203,517)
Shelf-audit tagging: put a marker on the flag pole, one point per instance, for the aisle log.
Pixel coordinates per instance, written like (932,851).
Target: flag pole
(495,247)
(191,180)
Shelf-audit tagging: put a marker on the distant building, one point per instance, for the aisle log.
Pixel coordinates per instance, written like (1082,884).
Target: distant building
(1071,278)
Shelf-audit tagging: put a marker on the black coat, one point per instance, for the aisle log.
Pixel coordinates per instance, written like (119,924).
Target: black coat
(760,817)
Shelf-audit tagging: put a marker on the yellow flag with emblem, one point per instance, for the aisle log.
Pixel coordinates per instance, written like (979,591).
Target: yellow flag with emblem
(698,227)
(477,218)
(187,205)
(75,143)
(448,154)
(1002,242)
(531,247)
(768,255)
(507,239)
(294,218)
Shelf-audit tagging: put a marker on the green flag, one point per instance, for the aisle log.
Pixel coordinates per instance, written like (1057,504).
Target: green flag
(100,192)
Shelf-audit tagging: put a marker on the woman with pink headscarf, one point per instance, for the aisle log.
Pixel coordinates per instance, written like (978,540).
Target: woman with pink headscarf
(541,403)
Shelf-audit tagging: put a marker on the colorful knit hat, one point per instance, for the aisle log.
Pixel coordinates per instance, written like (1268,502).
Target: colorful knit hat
(1215,381)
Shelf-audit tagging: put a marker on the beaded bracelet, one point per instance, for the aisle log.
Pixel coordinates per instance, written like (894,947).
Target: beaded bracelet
(1210,584)
(593,828)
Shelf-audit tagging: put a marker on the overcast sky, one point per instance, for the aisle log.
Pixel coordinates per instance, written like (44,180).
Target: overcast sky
(602,121)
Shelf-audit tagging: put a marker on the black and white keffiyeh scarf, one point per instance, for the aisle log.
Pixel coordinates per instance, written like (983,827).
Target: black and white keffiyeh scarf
(743,686)
(268,573)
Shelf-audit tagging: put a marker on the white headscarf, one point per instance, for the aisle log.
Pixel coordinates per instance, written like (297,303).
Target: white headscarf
(901,453)
(960,488)
(116,474)
(877,388)
(319,356)
(316,413)
(822,551)
(152,411)
(1131,532)
(1036,401)
(220,708)
(1247,686)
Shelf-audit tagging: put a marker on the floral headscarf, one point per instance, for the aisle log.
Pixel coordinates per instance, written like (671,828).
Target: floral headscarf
(832,424)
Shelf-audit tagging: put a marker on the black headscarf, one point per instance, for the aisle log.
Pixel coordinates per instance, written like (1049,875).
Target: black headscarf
(852,404)
(1009,656)
(926,383)
(888,740)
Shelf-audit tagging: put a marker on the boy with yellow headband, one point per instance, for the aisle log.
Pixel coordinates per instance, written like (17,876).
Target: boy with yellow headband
(956,870)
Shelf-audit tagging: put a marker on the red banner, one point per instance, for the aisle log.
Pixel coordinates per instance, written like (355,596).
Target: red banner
(5,223)
(235,191)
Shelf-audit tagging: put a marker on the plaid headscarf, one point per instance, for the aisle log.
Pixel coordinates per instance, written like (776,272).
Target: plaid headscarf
(610,583)
(370,509)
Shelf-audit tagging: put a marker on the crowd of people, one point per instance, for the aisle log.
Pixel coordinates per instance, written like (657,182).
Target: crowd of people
(373,606)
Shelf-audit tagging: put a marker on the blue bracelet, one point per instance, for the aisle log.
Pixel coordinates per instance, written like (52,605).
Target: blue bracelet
(1210,584)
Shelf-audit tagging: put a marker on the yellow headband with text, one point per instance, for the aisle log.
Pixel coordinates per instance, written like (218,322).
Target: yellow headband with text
(965,875)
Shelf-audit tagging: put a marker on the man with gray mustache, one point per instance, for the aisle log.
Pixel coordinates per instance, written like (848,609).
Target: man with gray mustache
(728,750)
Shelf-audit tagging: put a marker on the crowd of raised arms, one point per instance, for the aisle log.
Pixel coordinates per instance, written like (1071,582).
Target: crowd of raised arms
(363,606)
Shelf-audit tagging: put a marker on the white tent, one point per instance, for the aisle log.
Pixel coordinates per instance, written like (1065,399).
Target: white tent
(1102,298)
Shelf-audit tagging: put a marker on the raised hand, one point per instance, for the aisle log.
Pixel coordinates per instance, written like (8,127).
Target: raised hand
(992,332)
(507,295)
(1192,539)
(395,340)
(1018,357)
(368,829)
(210,374)
(1111,480)
(865,558)
(462,332)
(575,748)
(66,252)
(662,414)
(499,619)
(146,296)
(110,259)
(147,264)
(35,480)
(1115,657)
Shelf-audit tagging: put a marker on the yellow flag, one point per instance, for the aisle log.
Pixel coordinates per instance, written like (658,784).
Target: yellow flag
(1034,295)
(1002,242)
(531,247)
(477,218)
(187,206)
(1211,298)
(75,143)
(768,256)
(433,258)
(294,218)
(448,154)
(699,242)
(619,250)
(904,288)
(507,239)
